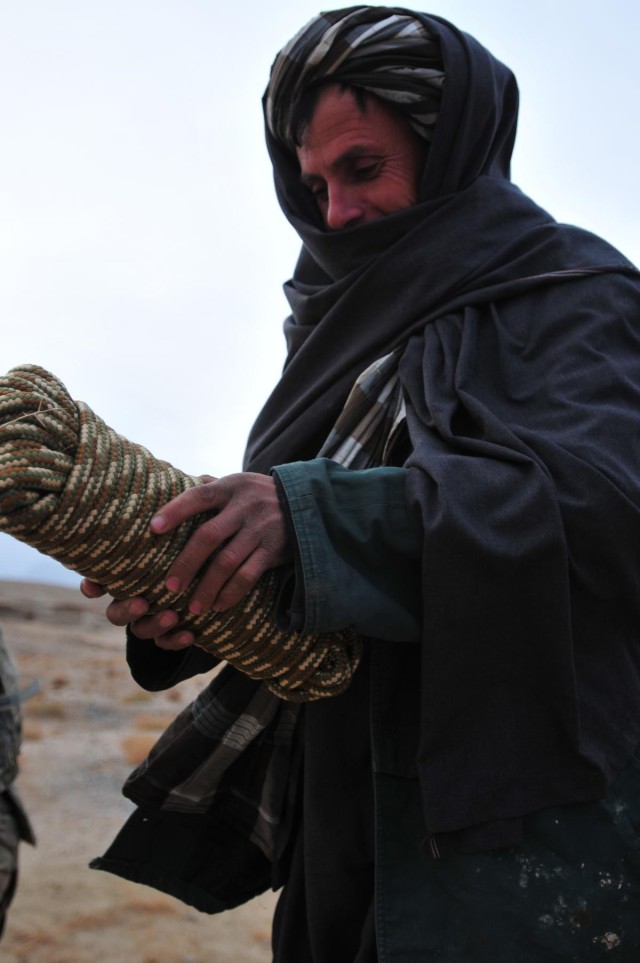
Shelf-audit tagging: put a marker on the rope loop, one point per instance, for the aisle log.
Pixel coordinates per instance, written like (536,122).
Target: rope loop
(77,491)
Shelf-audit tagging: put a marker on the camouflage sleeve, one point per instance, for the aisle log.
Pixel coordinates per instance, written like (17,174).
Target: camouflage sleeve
(14,823)
(9,840)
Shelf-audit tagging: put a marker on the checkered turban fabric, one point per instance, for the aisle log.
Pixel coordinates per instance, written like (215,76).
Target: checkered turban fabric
(386,51)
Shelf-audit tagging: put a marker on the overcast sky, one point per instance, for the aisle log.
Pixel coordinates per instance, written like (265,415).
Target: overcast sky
(142,252)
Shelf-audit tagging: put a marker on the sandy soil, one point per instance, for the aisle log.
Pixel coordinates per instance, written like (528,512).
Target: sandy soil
(83,732)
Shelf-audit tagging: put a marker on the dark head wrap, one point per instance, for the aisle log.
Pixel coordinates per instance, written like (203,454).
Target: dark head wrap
(428,70)
(386,51)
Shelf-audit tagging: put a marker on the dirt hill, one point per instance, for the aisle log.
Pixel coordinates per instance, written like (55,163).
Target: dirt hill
(83,732)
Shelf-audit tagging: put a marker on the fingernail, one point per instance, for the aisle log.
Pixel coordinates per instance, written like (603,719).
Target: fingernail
(173,584)
(158,523)
(195,608)
(185,639)
(138,608)
(168,619)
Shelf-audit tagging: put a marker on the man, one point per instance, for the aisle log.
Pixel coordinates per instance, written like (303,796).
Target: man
(14,823)
(474,513)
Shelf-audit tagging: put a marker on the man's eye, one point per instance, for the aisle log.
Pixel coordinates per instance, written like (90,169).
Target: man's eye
(319,193)
(366,172)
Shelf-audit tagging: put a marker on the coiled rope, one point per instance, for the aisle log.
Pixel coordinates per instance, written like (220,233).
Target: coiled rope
(82,494)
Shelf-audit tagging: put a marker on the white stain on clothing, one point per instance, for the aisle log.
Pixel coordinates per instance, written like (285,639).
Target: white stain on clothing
(610,941)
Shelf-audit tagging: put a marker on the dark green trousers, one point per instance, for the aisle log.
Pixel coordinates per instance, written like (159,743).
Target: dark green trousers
(569,894)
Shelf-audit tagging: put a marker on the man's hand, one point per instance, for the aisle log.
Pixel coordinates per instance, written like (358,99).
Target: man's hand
(133,611)
(245,537)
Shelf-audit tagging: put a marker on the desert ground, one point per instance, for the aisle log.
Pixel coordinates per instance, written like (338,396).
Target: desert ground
(87,727)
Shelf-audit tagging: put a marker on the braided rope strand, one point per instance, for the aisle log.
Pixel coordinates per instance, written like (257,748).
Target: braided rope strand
(77,491)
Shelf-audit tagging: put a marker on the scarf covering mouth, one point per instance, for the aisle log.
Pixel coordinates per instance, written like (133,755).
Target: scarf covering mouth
(385,51)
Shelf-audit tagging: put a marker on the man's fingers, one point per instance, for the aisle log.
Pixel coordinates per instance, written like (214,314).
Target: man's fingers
(126,610)
(203,544)
(195,501)
(175,641)
(156,628)
(227,566)
(228,580)
(241,582)
(91,590)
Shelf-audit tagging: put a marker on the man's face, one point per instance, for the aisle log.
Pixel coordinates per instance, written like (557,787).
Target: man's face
(359,165)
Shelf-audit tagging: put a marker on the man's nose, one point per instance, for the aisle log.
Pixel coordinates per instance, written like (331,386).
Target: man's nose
(344,209)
